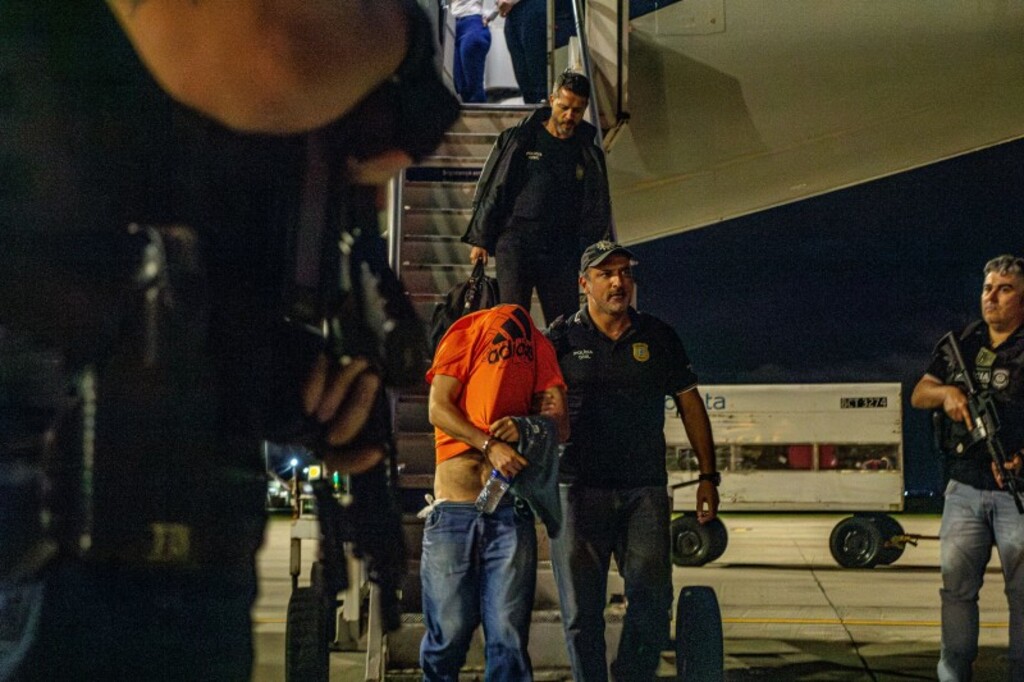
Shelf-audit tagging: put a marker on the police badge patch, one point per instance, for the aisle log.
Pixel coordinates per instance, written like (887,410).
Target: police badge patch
(1000,379)
(641,353)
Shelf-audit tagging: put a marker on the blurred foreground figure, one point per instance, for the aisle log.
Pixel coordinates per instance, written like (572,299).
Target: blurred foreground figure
(178,178)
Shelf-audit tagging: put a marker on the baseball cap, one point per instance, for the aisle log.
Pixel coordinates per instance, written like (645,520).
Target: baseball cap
(597,252)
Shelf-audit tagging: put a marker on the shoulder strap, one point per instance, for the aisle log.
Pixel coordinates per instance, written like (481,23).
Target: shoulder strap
(970,329)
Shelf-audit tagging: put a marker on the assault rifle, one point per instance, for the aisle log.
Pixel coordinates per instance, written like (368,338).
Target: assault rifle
(344,301)
(984,417)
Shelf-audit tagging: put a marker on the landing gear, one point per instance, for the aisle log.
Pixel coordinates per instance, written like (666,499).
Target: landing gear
(867,540)
(695,543)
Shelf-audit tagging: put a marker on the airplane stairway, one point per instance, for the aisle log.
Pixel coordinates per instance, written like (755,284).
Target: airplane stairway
(431,209)
(433,204)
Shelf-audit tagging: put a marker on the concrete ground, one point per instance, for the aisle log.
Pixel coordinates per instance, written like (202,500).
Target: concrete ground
(789,612)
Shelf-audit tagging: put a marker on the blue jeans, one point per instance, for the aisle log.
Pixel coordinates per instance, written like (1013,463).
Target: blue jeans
(972,520)
(475,569)
(472,42)
(633,525)
(526,36)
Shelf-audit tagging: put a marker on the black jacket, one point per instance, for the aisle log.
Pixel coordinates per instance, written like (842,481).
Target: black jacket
(502,178)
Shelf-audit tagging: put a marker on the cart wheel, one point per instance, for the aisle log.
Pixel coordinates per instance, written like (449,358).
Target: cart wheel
(856,542)
(307,657)
(889,528)
(319,585)
(699,649)
(694,543)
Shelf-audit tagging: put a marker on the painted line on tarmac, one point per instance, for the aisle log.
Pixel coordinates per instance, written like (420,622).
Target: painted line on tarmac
(847,621)
(865,622)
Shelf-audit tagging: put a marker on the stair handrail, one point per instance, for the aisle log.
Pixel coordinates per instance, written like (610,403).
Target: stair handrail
(581,35)
(595,113)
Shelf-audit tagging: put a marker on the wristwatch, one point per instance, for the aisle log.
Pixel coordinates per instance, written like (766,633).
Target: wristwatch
(715,477)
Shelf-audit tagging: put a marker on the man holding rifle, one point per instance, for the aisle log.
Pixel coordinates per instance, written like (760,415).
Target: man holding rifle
(976,383)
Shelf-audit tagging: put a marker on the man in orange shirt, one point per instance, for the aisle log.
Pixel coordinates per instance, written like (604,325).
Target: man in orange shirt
(490,368)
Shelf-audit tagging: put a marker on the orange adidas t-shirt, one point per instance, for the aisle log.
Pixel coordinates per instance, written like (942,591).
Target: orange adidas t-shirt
(501,359)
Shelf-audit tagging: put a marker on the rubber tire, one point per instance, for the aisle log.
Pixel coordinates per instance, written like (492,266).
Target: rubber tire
(700,653)
(307,652)
(696,544)
(317,583)
(856,542)
(889,527)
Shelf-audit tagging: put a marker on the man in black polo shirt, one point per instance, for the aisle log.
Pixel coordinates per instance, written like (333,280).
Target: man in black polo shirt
(977,510)
(619,365)
(541,197)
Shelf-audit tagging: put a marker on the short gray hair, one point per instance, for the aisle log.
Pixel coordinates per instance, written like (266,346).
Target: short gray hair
(1005,264)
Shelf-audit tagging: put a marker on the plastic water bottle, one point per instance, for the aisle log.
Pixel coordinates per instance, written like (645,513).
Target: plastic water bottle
(492,493)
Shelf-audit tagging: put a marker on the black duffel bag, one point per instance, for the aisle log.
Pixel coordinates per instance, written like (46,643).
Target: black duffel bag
(478,292)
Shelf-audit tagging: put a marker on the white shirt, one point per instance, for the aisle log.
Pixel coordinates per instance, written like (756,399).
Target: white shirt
(465,8)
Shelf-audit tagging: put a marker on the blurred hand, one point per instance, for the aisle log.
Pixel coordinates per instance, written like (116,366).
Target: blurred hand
(378,169)
(505,6)
(478,253)
(341,398)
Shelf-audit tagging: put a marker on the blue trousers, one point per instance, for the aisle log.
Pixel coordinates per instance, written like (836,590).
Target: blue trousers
(478,568)
(972,520)
(472,42)
(632,525)
(526,36)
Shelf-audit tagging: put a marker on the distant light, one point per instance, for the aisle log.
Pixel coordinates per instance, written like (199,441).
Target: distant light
(295,462)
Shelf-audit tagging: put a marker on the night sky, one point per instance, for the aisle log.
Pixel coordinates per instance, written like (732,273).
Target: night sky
(856,285)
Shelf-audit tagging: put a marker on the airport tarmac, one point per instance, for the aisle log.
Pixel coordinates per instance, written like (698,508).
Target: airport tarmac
(789,612)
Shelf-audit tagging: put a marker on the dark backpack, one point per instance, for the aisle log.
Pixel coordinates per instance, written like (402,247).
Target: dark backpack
(476,293)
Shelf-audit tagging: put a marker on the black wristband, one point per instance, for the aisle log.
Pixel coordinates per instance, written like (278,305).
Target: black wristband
(715,477)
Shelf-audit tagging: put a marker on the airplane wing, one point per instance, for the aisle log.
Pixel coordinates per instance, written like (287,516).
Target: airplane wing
(741,105)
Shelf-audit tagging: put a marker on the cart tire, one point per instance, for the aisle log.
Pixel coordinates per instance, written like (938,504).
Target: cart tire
(699,650)
(307,656)
(856,542)
(319,585)
(889,528)
(695,543)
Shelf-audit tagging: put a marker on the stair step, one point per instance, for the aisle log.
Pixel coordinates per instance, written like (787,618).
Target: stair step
(440,223)
(416,452)
(452,195)
(448,170)
(411,412)
(433,252)
(419,278)
(458,144)
(489,120)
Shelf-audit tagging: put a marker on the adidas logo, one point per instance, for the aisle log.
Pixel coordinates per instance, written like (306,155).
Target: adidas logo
(515,340)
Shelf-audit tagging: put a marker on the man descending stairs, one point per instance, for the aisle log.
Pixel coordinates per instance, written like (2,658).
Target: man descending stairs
(433,208)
